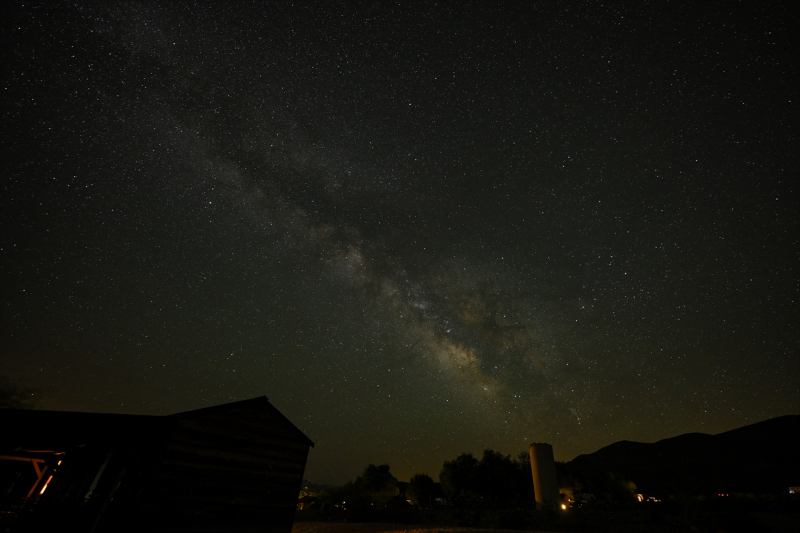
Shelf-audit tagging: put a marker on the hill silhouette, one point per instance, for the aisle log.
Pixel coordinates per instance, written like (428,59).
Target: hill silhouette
(761,458)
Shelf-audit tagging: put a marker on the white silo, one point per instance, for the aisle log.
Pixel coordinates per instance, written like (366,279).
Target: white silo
(545,481)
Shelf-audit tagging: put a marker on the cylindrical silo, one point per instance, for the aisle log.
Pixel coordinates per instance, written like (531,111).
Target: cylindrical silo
(545,481)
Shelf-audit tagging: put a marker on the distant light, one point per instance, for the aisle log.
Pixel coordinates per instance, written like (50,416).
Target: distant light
(563,505)
(45,485)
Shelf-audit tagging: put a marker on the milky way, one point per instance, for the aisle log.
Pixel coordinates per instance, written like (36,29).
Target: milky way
(418,230)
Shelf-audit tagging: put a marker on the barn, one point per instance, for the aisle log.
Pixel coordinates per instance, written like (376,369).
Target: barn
(232,467)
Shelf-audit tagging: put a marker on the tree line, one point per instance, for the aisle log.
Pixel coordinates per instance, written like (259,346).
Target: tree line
(492,481)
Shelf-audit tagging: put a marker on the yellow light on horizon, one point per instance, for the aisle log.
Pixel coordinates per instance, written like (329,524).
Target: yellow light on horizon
(564,506)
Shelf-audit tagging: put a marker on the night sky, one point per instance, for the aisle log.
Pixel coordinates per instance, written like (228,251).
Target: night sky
(419,229)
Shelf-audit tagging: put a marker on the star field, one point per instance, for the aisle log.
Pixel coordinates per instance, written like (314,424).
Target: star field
(418,229)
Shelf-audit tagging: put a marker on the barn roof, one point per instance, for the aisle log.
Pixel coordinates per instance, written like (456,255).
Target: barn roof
(33,429)
(261,402)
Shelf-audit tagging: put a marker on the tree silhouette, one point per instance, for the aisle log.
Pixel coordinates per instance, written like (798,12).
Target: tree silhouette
(13,396)
(376,484)
(421,490)
(459,478)
(496,480)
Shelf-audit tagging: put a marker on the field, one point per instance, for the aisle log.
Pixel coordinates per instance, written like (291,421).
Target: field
(588,523)
(328,527)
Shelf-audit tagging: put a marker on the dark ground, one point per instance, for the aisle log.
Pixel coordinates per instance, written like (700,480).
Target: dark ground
(732,516)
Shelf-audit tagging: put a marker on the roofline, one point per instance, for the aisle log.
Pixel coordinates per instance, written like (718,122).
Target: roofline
(79,413)
(258,399)
(184,414)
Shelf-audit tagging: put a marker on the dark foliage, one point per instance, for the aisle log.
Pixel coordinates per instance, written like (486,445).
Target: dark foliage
(376,485)
(422,490)
(14,396)
(496,481)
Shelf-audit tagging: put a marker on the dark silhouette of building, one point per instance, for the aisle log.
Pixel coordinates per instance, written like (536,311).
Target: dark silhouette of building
(233,467)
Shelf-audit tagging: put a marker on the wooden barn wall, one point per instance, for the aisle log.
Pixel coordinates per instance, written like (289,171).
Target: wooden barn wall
(226,471)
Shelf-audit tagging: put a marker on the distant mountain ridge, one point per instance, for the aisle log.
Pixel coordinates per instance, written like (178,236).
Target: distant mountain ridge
(760,458)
